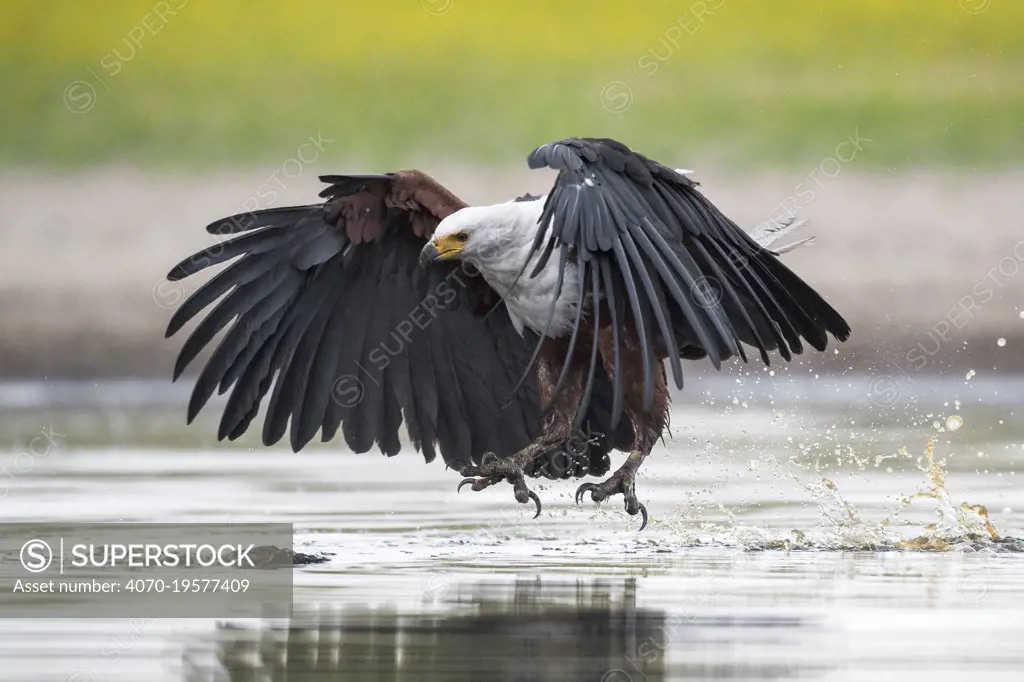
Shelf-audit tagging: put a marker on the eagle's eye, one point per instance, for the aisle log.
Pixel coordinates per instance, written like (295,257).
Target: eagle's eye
(461,236)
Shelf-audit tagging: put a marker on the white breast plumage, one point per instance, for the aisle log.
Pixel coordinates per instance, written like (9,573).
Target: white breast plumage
(528,299)
(529,302)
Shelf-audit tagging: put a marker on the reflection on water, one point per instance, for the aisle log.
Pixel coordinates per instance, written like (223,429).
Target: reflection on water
(526,631)
(698,614)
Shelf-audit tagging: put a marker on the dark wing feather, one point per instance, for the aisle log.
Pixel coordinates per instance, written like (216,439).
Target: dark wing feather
(327,306)
(680,279)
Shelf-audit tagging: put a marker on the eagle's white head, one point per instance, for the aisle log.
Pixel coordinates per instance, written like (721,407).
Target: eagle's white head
(497,240)
(492,238)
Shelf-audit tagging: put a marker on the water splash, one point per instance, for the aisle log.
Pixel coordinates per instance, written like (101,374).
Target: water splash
(965,527)
(955,525)
(849,530)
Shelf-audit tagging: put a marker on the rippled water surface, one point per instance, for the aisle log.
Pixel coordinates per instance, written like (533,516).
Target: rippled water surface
(800,529)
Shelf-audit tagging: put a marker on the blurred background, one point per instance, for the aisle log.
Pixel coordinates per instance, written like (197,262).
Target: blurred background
(897,129)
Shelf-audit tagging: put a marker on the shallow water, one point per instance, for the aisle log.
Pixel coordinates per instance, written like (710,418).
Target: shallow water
(799,530)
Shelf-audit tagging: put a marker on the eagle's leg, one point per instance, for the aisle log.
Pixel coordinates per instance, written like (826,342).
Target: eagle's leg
(555,430)
(647,424)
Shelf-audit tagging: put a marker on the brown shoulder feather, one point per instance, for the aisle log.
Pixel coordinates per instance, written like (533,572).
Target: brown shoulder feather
(360,203)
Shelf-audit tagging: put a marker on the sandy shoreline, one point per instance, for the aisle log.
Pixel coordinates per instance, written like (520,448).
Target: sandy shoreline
(926,266)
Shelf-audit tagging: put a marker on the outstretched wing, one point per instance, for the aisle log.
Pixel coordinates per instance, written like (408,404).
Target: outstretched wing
(678,277)
(329,300)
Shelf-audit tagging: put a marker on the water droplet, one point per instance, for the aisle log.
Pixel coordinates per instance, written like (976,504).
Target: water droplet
(1000,342)
(954,422)
(970,375)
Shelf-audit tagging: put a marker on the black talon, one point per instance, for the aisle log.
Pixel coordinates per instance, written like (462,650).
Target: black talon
(478,482)
(582,490)
(523,494)
(487,456)
(643,513)
(533,496)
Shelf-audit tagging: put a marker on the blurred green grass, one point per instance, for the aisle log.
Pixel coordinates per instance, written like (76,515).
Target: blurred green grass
(219,83)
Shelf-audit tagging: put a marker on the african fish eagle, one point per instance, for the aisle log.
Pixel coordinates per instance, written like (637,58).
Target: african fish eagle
(521,339)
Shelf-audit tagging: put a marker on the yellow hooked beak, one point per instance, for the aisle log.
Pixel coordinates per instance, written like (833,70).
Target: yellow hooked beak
(443,248)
